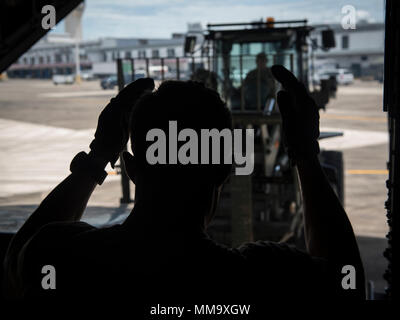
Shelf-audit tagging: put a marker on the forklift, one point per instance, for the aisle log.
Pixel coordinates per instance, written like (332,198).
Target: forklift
(267,204)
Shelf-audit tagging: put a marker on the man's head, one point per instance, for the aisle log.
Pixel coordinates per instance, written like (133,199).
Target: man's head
(261,60)
(192,106)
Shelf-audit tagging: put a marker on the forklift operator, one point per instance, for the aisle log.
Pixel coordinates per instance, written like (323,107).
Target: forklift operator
(259,84)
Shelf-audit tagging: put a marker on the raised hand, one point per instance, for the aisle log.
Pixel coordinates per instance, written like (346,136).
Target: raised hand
(112,128)
(300,117)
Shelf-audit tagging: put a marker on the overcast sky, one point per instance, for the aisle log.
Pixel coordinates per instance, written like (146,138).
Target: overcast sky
(160,18)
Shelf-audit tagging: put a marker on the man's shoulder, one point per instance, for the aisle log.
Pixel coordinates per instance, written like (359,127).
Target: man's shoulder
(56,233)
(281,256)
(59,238)
(283,269)
(270,248)
(251,74)
(259,252)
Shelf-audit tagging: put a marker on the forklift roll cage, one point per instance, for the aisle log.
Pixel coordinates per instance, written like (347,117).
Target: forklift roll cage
(293,36)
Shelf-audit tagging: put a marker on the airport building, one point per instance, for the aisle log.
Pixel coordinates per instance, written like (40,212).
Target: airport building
(51,56)
(359,50)
(56,54)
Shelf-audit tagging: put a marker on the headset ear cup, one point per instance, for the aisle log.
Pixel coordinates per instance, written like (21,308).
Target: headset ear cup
(222,174)
(214,205)
(130,165)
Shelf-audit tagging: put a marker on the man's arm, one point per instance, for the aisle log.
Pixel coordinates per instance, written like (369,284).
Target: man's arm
(328,231)
(271,84)
(67,202)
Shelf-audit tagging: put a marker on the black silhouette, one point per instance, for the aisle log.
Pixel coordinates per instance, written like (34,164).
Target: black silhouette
(162,252)
(259,84)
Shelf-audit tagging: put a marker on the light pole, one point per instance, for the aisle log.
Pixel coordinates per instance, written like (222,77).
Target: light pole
(77,62)
(73,26)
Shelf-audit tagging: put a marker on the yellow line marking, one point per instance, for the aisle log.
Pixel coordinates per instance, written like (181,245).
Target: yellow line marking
(367,172)
(343,117)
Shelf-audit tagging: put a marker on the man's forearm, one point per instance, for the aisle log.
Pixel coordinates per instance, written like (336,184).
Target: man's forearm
(329,233)
(66,202)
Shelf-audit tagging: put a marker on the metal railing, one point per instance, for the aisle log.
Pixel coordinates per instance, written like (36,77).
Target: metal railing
(186,68)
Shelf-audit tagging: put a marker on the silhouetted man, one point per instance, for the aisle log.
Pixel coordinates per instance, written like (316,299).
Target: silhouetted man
(259,84)
(162,252)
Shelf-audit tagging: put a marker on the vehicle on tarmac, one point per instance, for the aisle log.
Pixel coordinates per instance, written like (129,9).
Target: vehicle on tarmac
(63,79)
(157,72)
(111,82)
(87,76)
(342,76)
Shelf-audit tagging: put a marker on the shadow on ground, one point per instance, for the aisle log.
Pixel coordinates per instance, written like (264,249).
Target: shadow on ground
(12,217)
